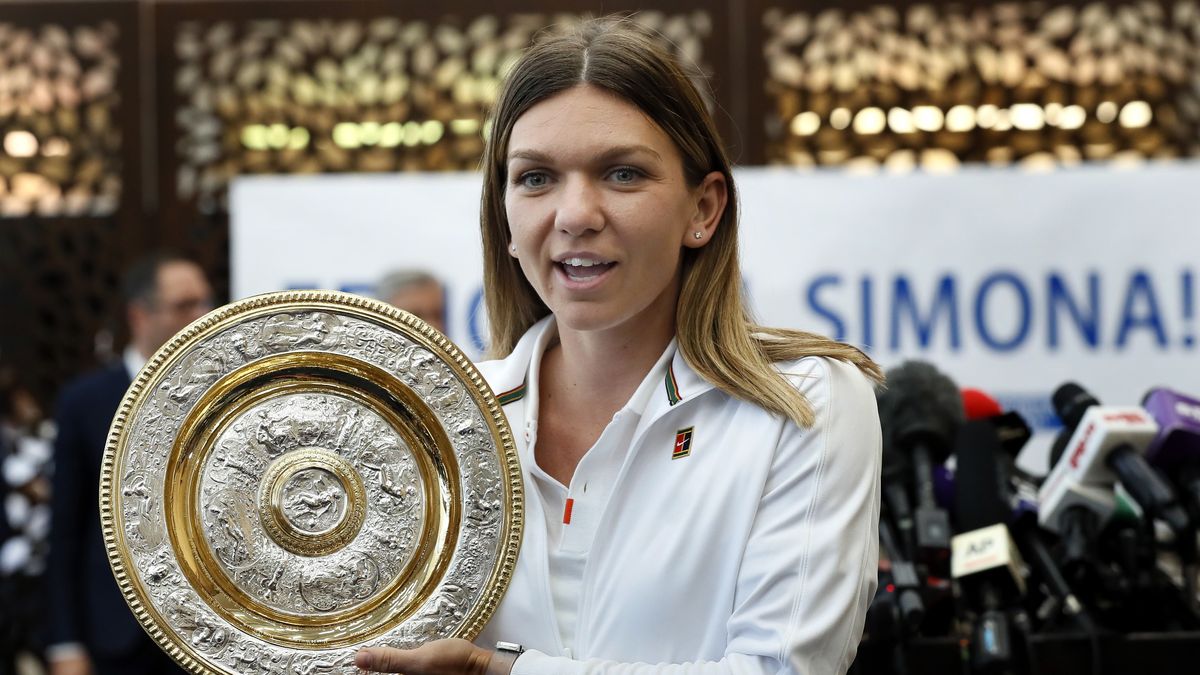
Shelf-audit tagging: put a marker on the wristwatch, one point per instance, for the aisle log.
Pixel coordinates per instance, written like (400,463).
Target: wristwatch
(504,657)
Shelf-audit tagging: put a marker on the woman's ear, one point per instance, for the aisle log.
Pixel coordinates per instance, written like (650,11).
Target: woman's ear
(711,197)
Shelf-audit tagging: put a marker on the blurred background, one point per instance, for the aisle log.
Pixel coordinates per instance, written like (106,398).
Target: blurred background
(1006,189)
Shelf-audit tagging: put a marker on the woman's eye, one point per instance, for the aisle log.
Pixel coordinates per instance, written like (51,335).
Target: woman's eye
(532,179)
(625,174)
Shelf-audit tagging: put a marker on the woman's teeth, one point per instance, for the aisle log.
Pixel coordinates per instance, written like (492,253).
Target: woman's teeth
(583,268)
(582,262)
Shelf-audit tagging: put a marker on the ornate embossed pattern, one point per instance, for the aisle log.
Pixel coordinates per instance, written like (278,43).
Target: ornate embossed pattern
(314,500)
(139,454)
(237,505)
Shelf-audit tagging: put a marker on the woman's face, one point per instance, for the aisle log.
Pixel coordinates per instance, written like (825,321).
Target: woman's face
(598,208)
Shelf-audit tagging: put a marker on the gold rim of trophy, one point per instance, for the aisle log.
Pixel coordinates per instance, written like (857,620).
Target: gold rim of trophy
(344,376)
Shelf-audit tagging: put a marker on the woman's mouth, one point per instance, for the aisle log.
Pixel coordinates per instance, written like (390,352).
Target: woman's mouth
(584,271)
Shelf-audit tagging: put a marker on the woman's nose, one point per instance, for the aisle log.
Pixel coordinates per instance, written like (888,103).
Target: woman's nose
(580,208)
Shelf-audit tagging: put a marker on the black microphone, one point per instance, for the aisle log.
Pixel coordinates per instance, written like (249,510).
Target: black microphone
(985,561)
(1112,439)
(920,411)
(904,577)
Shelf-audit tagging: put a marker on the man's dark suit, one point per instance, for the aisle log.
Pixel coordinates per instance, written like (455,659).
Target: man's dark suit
(85,604)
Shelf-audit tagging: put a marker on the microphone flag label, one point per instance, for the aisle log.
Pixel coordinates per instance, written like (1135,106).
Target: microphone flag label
(683,443)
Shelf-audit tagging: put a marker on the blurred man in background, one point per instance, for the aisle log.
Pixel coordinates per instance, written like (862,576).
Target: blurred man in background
(91,629)
(416,292)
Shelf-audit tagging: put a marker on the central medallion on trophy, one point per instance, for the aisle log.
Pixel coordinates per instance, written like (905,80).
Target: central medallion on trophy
(312,502)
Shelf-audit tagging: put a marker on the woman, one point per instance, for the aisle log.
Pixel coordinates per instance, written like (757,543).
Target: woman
(696,495)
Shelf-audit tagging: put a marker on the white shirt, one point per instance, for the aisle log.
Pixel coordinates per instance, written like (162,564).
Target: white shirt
(133,360)
(573,513)
(753,550)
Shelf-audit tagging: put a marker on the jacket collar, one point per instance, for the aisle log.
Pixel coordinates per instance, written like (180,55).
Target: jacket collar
(508,376)
(680,385)
(509,379)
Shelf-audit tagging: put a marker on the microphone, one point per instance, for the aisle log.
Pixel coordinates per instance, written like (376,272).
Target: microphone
(1106,446)
(919,412)
(1176,449)
(984,559)
(1013,430)
(910,607)
(978,405)
(1012,433)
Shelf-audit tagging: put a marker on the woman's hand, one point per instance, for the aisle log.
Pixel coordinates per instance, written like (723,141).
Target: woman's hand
(440,657)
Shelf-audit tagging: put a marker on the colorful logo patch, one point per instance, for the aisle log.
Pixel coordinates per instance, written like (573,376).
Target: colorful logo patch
(683,443)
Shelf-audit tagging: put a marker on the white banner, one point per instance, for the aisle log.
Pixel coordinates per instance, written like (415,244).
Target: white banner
(1009,281)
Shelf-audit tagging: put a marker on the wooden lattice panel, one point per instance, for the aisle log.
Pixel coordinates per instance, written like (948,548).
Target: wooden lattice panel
(61,281)
(313,95)
(60,140)
(906,84)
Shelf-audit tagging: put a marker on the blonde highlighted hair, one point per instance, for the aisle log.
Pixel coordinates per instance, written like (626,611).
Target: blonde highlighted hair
(714,330)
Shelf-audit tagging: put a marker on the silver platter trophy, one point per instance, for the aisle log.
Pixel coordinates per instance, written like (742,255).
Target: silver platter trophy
(301,474)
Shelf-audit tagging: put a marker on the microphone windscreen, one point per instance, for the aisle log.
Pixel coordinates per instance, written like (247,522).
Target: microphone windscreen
(978,405)
(920,405)
(1071,401)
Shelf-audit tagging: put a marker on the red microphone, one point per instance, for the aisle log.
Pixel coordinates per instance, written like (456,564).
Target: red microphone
(979,405)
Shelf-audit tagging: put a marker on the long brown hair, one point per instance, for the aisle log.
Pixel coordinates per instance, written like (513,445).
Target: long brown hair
(715,332)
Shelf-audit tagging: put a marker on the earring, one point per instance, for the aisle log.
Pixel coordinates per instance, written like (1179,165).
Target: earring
(512,247)
(698,234)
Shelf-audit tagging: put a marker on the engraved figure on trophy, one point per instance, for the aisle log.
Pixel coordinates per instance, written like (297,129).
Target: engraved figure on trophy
(352,580)
(312,330)
(153,429)
(470,433)
(203,632)
(143,522)
(399,482)
(485,509)
(162,570)
(448,396)
(229,528)
(236,463)
(270,586)
(348,423)
(447,608)
(399,362)
(292,423)
(371,344)
(314,500)
(482,475)
(189,378)
(324,666)
(252,659)
(386,459)
(243,345)
(208,635)
(267,576)
(396,540)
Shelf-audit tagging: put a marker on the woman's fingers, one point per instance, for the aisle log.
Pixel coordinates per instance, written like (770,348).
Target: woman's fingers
(441,657)
(382,659)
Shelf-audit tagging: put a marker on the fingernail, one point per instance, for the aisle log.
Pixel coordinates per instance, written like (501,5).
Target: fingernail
(364,659)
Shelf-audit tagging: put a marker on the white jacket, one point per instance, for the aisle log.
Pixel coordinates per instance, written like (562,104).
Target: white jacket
(755,553)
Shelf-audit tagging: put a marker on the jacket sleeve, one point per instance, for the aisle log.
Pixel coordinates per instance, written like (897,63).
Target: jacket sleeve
(70,500)
(809,568)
